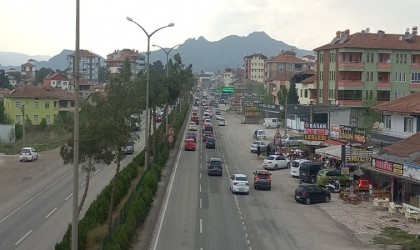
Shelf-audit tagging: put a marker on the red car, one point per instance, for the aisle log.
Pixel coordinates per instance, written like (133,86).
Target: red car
(189,144)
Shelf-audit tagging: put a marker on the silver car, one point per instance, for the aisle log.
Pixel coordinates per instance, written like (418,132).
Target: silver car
(255,144)
(292,141)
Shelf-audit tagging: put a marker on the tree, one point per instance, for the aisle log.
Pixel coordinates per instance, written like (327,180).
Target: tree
(103,74)
(43,125)
(42,73)
(3,116)
(4,80)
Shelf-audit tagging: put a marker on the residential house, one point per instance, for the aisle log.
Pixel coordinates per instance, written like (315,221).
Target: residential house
(230,75)
(254,67)
(115,61)
(278,82)
(56,80)
(400,118)
(27,71)
(364,68)
(36,103)
(306,90)
(89,65)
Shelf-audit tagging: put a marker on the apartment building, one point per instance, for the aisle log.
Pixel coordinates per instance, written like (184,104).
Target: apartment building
(115,61)
(89,65)
(27,71)
(254,67)
(364,69)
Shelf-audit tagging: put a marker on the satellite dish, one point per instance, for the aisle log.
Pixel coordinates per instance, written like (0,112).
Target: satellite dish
(375,125)
(407,30)
(401,38)
(381,126)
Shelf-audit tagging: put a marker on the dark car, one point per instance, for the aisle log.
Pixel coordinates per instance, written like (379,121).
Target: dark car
(308,171)
(160,116)
(262,179)
(207,134)
(311,193)
(210,142)
(215,167)
(191,135)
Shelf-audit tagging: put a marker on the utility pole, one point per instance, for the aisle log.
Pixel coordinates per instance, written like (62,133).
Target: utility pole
(23,125)
(285,114)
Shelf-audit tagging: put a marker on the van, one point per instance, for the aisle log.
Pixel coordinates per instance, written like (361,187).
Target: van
(308,171)
(271,123)
(295,166)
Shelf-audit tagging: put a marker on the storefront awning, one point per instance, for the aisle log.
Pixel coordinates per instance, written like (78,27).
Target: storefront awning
(331,143)
(333,151)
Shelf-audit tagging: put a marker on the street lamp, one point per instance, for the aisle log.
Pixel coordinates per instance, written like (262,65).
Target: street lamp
(167,76)
(167,55)
(146,137)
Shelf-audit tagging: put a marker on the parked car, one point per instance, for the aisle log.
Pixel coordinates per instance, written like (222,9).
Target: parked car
(292,141)
(308,171)
(160,116)
(192,126)
(221,121)
(325,176)
(189,144)
(215,167)
(28,154)
(262,179)
(129,148)
(255,145)
(191,135)
(259,134)
(311,193)
(211,142)
(238,183)
(275,162)
(295,166)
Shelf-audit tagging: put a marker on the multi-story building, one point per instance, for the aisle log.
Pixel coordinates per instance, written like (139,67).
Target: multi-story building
(231,75)
(89,65)
(27,71)
(254,67)
(115,61)
(364,69)
(56,80)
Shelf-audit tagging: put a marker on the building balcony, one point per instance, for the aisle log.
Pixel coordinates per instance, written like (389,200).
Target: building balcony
(351,66)
(357,103)
(350,83)
(384,84)
(415,86)
(415,66)
(384,67)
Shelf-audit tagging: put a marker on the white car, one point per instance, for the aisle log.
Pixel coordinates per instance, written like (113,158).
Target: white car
(255,144)
(292,141)
(295,166)
(218,117)
(192,126)
(238,183)
(28,154)
(221,122)
(275,162)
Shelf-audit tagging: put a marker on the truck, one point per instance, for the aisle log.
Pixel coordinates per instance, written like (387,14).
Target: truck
(272,123)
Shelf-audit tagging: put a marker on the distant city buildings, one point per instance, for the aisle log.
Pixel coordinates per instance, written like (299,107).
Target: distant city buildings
(89,65)
(115,61)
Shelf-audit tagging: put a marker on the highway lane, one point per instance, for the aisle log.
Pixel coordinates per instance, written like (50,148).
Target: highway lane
(25,222)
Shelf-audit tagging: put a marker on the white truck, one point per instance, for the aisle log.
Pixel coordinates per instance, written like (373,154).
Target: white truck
(272,123)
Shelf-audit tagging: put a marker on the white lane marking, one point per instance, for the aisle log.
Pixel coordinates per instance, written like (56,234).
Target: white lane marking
(48,215)
(201,226)
(246,235)
(97,171)
(200,175)
(167,198)
(200,204)
(200,188)
(247,241)
(68,197)
(83,184)
(31,199)
(23,237)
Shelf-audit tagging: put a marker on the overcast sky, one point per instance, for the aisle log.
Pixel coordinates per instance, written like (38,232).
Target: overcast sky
(46,27)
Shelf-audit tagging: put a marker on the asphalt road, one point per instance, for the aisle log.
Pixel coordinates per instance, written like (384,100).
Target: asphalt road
(199,211)
(36,197)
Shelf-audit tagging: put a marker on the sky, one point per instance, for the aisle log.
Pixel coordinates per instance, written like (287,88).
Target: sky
(46,27)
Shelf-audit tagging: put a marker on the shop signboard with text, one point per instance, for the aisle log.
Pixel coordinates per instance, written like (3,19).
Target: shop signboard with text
(388,166)
(352,134)
(411,171)
(315,131)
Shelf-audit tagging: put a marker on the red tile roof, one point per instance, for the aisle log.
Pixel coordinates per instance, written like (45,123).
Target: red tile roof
(310,79)
(376,41)
(84,53)
(286,58)
(408,104)
(29,91)
(405,147)
(56,76)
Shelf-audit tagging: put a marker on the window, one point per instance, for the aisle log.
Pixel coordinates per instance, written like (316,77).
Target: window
(48,119)
(18,105)
(383,95)
(386,120)
(408,124)
(305,93)
(35,118)
(368,57)
(398,58)
(415,77)
(405,58)
(404,78)
(17,118)
(35,105)
(350,94)
(371,76)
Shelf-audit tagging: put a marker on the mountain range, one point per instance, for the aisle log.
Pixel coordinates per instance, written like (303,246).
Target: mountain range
(204,55)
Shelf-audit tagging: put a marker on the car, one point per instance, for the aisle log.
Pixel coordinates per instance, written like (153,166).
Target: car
(215,167)
(218,117)
(262,179)
(295,166)
(207,121)
(160,116)
(191,135)
(192,126)
(325,176)
(275,162)
(129,148)
(255,145)
(238,183)
(189,144)
(207,134)
(221,122)
(311,193)
(259,134)
(292,141)
(308,171)
(210,142)
(28,154)
(208,127)
(205,116)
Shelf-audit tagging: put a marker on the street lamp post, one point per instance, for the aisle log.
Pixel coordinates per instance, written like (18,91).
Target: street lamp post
(167,76)
(146,137)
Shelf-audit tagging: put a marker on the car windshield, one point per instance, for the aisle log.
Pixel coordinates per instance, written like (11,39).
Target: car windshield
(263,175)
(295,164)
(241,178)
(215,163)
(256,142)
(261,133)
(25,150)
(270,157)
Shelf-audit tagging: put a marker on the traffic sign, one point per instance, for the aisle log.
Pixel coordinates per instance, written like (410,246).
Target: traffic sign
(228,90)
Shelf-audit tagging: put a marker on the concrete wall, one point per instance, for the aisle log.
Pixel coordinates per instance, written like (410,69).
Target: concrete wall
(5,131)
